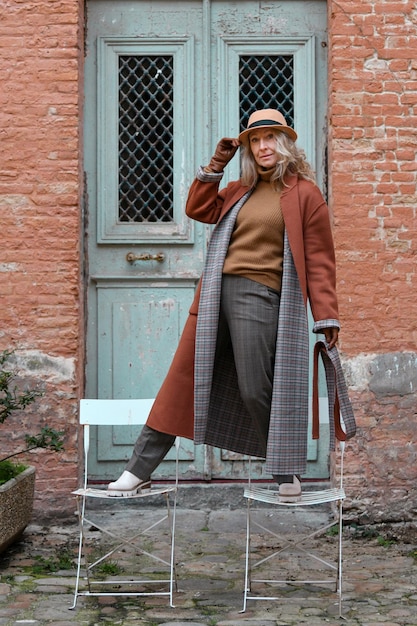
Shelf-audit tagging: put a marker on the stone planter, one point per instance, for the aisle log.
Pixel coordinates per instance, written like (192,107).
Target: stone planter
(16,503)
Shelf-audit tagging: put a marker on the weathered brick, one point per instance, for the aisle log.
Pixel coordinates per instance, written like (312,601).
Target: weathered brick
(40,73)
(381,316)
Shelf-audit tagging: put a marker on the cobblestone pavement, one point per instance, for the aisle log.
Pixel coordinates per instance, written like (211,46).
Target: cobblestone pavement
(379,573)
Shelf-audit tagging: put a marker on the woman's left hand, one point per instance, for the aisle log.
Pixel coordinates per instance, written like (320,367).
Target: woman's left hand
(331,335)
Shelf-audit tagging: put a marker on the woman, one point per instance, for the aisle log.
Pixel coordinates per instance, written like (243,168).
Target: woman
(240,373)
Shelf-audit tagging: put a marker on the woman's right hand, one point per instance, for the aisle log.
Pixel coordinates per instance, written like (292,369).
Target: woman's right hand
(225,151)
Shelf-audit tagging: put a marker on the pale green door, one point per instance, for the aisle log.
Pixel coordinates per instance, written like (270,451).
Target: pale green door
(164,81)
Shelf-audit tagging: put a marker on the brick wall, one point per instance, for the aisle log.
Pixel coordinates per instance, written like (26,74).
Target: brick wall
(40,214)
(372,148)
(372,167)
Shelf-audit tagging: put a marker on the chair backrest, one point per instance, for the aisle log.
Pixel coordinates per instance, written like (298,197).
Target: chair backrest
(114,412)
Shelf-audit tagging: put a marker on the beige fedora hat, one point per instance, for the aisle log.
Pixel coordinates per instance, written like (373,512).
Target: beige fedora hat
(267,118)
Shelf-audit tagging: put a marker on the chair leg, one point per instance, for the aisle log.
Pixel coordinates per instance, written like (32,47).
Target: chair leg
(171,515)
(340,558)
(80,512)
(247,558)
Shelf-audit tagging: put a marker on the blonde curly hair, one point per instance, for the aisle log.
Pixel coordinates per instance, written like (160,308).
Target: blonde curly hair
(292,160)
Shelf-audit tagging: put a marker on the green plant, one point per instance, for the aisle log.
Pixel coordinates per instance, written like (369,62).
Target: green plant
(109,568)
(413,554)
(51,564)
(9,470)
(7,578)
(14,399)
(333,531)
(383,541)
(11,398)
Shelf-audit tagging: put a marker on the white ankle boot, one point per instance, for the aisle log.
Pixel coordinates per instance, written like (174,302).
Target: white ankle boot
(127,485)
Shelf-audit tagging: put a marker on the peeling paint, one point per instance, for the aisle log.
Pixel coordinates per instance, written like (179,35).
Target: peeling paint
(9,267)
(385,375)
(394,374)
(169,303)
(375,64)
(275,25)
(357,371)
(61,188)
(44,366)
(14,200)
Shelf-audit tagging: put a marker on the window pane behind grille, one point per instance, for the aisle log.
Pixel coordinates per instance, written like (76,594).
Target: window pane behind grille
(146,139)
(266,82)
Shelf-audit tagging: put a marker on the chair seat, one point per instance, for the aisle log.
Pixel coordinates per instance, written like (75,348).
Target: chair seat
(91,492)
(307,498)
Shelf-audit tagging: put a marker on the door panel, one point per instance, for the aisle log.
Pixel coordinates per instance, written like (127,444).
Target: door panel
(145,86)
(164,81)
(139,323)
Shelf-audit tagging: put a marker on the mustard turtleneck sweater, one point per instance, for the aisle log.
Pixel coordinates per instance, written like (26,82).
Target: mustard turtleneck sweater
(257,242)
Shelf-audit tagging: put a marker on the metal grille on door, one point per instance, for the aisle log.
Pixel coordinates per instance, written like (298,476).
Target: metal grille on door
(266,82)
(146,138)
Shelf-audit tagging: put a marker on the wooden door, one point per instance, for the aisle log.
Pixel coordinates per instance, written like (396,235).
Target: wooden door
(164,81)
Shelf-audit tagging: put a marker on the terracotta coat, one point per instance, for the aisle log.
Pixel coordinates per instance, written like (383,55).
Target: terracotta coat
(308,229)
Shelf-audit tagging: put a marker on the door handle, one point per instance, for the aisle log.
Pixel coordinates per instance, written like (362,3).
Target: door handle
(131,257)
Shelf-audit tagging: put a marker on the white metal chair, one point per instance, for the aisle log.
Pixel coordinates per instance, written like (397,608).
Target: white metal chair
(339,404)
(335,495)
(122,413)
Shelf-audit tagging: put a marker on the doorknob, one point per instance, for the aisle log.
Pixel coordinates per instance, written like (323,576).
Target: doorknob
(131,257)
